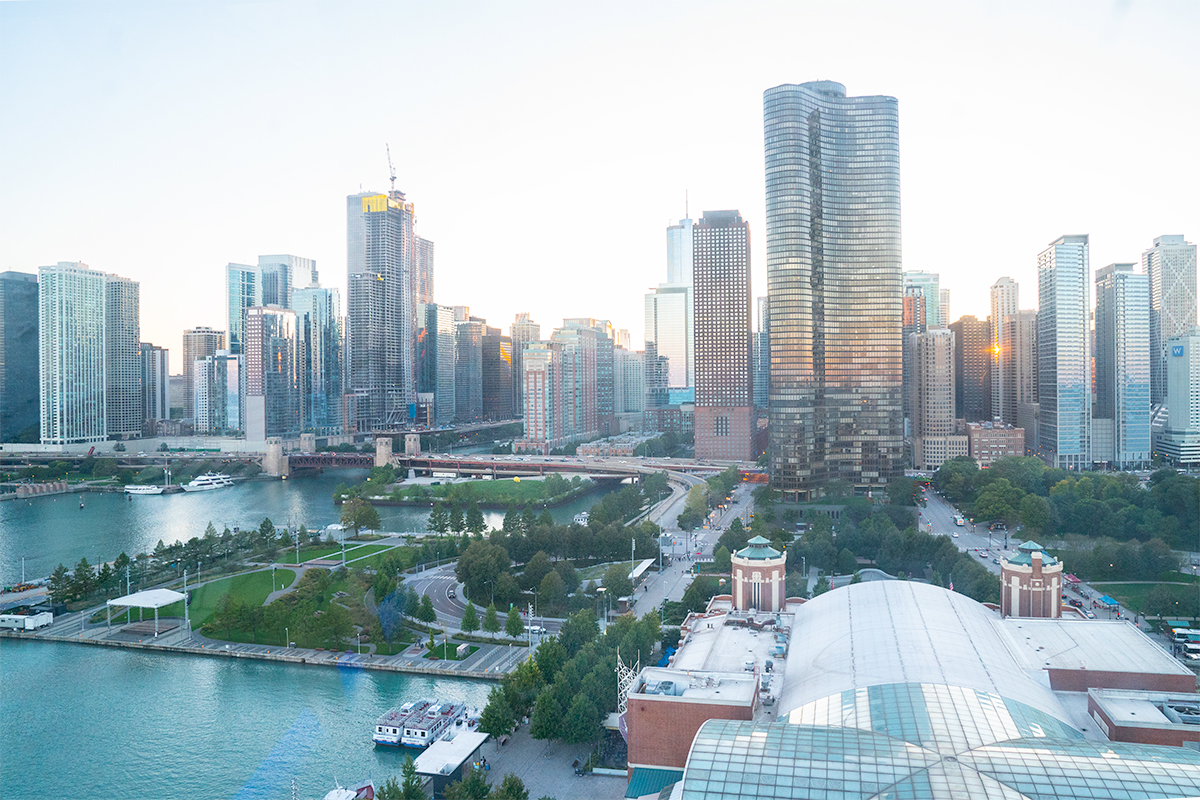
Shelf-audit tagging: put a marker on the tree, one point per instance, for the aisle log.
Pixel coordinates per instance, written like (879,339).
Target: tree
(513,625)
(1160,602)
(491,623)
(60,584)
(847,564)
(616,581)
(722,561)
(1037,514)
(426,613)
(579,629)
(582,722)
(552,595)
(497,718)
(412,602)
(473,787)
(456,518)
(411,789)
(822,586)
(266,531)
(358,514)
(439,519)
(547,717)
(903,491)
(475,523)
(479,567)
(389,791)
(83,581)
(470,620)
(511,788)
(536,569)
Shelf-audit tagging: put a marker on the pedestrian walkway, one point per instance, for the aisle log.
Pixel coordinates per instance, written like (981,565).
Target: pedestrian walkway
(546,769)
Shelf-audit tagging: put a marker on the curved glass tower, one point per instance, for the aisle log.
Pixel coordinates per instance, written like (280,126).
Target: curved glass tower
(834,287)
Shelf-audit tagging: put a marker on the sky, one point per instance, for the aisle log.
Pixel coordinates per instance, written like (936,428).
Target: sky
(548,145)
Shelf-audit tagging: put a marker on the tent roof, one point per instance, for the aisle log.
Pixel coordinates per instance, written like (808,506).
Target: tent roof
(151,598)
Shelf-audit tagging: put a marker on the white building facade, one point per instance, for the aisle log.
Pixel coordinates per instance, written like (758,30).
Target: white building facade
(1123,364)
(1064,365)
(1171,265)
(71,354)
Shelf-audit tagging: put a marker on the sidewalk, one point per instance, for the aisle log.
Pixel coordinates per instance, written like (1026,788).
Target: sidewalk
(546,769)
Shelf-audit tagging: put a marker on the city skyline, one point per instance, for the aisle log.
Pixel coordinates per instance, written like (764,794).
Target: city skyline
(276,188)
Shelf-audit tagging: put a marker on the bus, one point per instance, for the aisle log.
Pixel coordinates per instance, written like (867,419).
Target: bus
(959,520)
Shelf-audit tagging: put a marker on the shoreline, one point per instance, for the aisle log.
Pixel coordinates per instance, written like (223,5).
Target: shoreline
(299,656)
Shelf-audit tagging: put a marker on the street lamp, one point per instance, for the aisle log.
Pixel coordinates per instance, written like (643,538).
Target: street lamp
(287,634)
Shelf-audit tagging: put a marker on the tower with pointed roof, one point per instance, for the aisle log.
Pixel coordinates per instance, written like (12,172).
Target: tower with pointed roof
(758,577)
(1031,583)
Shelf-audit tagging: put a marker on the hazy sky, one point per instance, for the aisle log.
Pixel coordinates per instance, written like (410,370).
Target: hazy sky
(547,145)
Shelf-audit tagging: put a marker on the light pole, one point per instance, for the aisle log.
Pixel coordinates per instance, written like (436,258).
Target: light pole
(287,634)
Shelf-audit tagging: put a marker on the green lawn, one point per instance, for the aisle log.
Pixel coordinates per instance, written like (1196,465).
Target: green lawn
(498,491)
(372,561)
(1133,595)
(593,573)
(327,550)
(252,588)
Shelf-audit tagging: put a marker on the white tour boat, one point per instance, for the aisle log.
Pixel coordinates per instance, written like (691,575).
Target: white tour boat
(133,488)
(209,480)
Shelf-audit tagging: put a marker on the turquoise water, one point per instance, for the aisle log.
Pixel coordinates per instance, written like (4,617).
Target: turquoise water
(102,722)
(49,530)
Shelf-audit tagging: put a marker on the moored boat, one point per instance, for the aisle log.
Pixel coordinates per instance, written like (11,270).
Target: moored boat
(138,489)
(209,480)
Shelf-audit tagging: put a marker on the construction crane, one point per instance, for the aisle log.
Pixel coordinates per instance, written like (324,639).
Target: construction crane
(391,169)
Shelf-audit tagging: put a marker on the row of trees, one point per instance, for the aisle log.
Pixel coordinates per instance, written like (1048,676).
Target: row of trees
(1054,502)
(705,496)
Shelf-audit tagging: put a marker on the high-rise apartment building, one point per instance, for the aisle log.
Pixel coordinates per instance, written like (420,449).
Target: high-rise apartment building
(281,275)
(580,414)
(71,354)
(724,418)
(1020,365)
(200,343)
(929,285)
(522,331)
(422,288)
(436,359)
(1123,364)
(19,413)
(934,439)
(913,320)
(122,357)
(603,386)
(1171,266)
(496,351)
(217,408)
(670,331)
(834,287)
(1064,379)
(319,331)
(155,365)
(629,381)
(621,339)
(944,306)
(762,354)
(973,355)
(542,391)
(243,290)
(381,309)
(272,361)
(1005,301)
(468,369)
(1179,442)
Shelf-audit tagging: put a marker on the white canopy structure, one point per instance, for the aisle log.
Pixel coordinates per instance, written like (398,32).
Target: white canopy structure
(151,598)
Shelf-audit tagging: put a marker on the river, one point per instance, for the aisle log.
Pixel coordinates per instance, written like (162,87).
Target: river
(48,530)
(108,723)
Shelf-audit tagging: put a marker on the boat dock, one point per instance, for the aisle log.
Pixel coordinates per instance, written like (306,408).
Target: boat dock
(489,662)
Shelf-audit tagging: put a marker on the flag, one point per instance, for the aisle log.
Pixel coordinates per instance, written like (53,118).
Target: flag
(952,583)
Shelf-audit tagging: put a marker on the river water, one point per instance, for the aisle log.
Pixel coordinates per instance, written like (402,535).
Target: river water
(82,721)
(48,530)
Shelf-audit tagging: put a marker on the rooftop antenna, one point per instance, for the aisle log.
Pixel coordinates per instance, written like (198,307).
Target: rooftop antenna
(686,213)
(391,169)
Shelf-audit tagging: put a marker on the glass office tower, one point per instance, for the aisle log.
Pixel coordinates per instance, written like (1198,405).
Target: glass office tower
(1123,362)
(319,329)
(834,288)
(1171,265)
(1064,365)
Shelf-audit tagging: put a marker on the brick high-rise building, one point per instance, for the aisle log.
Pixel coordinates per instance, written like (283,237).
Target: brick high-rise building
(933,436)
(724,416)
(1019,360)
(973,355)
(914,322)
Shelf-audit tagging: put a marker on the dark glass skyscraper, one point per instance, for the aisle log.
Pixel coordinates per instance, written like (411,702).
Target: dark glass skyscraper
(19,414)
(834,287)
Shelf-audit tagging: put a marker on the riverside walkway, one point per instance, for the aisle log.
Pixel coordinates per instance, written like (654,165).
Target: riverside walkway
(489,662)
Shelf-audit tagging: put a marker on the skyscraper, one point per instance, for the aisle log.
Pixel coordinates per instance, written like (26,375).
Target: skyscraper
(834,288)
(543,410)
(913,321)
(1005,301)
(522,331)
(762,354)
(71,354)
(934,440)
(603,385)
(1123,364)
(281,275)
(243,290)
(436,359)
(219,394)
(670,332)
(1019,360)
(1179,442)
(629,381)
(497,361)
(1064,380)
(271,357)
(122,357)
(381,311)
(973,353)
(724,417)
(19,414)
(155,386)
(468,369)
(423,272)
(1171,266)
(680,253)
(577,346)
(929,285)
(319,331)
(199,343)
(944,306)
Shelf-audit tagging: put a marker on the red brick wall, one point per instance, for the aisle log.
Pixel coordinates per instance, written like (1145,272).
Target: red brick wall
(661,729)
(1142,735)
(1080,680)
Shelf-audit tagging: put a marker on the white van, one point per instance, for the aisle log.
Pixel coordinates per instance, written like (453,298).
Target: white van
(536,630)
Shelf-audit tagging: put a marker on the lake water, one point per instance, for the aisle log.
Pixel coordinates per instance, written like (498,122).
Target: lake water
(82,721)
(49,530)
